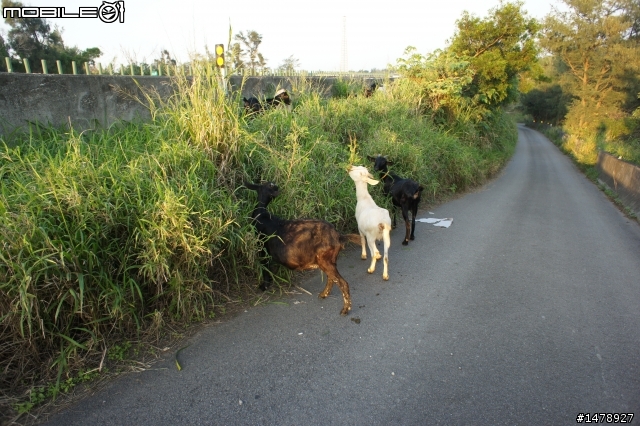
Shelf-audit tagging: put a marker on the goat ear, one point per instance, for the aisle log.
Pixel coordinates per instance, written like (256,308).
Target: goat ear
(372,181)
(371,158)
(389,163)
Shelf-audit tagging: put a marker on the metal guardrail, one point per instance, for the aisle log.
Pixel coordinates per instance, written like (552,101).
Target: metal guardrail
(170,69)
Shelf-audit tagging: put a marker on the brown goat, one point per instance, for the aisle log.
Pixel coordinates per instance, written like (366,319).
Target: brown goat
(301,244)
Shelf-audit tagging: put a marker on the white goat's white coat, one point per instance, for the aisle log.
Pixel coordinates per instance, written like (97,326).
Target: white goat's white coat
(374,223)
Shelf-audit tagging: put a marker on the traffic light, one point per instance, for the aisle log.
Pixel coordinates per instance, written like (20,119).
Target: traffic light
(220,55)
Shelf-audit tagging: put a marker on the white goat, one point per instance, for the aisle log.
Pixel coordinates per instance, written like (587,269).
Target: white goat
(374,223)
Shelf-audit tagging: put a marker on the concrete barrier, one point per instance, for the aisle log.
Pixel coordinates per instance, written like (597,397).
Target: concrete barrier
(84,101)
(621,177)
(78,100)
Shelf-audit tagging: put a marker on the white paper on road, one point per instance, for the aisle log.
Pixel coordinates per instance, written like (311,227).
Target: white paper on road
(444,223)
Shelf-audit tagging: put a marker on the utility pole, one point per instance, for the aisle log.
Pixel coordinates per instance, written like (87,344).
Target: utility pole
(344,62)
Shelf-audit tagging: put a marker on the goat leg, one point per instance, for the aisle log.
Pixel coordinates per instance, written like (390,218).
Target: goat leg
(386,239)
(334,277)
(265,285)
(414,212)
(407,224)
(268,278)
(364,250)
(375,254)
(327,288)
(346,297)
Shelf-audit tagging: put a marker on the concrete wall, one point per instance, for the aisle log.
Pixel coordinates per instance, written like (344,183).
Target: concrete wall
(77,99)
(621,177)
(85,100)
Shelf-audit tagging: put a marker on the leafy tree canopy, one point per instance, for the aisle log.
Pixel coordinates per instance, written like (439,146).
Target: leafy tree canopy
(33,38)
(245,53)
(289,64)
(4,48)
(444,79)
(499,47)
(547,104)
(481,68)
(596,42)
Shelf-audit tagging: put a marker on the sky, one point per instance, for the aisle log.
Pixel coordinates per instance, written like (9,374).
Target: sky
(313,32)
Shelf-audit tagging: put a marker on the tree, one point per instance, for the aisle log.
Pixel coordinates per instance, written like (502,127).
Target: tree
(546,104)
(499,48)
(480,70)
(234,57)
(252,58)
(443,79)
(166,61)
(33,38)
(632,12)
(597,43)
(289,64)
(4,48)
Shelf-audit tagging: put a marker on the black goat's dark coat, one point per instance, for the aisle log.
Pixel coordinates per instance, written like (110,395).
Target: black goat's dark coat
(253,104)
(301,244)
(404,193)
(368,91)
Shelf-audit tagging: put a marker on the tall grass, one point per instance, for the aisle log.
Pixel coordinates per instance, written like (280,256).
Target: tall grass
(109,234)
(105,232)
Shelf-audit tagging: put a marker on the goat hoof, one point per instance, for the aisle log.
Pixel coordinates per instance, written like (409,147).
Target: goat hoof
(363,257)
(344,312)
(371,271)
(405,243)
(412,238)
(385,277)
(322,295)
(263,286)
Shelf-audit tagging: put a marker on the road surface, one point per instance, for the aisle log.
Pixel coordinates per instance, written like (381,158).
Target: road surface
(526,310)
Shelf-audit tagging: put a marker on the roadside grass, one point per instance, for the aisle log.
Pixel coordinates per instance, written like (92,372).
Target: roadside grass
(130,233)
(629,149)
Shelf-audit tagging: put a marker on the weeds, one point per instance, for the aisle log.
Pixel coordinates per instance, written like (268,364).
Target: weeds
(114,234)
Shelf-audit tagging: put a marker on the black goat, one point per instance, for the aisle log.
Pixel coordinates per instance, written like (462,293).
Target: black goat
(368,91)
(405,193)
(301,244)
(253,104)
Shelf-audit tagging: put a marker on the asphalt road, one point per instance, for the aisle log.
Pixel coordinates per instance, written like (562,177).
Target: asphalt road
(525,311)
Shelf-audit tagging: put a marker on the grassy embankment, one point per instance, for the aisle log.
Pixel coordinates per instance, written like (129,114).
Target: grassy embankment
(113,234)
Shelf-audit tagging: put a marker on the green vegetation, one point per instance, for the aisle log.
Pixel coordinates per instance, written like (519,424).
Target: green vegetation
(592,76)
(499,48)
(34,39)
(112,234)
(479,72)
(245,54)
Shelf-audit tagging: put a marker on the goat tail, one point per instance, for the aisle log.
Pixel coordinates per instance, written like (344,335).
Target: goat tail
(382,226)
(416,195)
(353,238)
